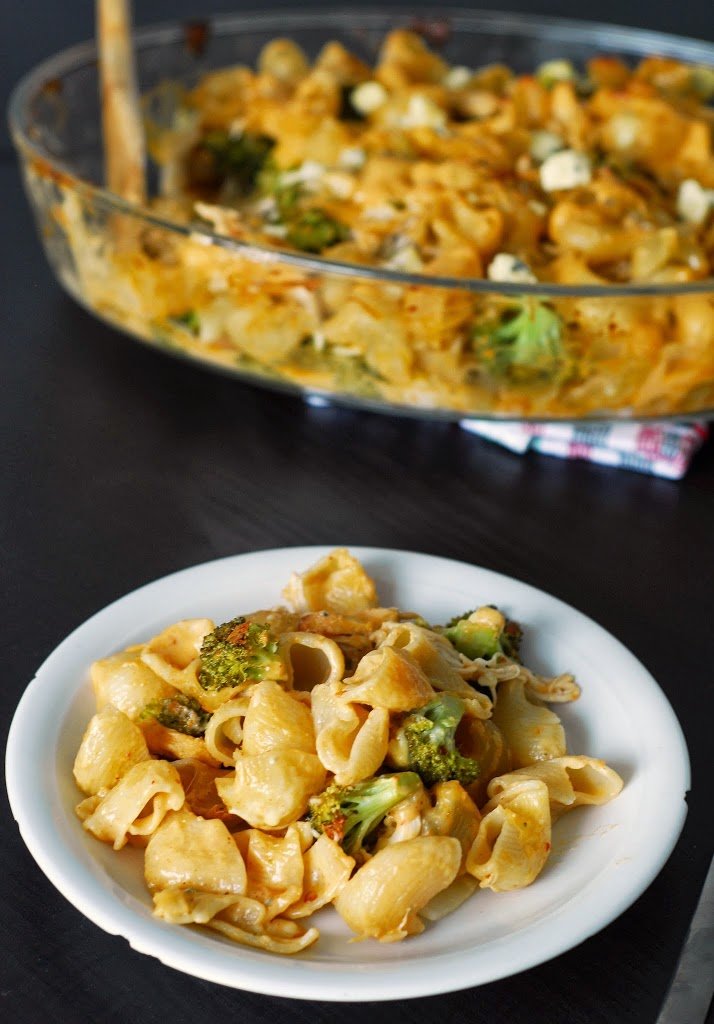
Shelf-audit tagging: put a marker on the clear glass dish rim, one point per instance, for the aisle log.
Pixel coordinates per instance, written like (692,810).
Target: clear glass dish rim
(694,50)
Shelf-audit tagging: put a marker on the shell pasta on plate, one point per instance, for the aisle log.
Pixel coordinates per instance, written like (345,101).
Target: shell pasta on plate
(262,777)
(330,750)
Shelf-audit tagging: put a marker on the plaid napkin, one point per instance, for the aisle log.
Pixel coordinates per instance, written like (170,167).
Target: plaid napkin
(661,449)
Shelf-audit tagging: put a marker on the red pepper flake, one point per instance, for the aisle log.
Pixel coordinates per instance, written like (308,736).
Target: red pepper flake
(336,829)
(52,87)
(45,170)
(434,31)
(238,634)
(196,36)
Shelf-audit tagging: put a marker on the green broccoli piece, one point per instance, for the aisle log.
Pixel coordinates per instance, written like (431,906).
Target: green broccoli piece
(430,736)
(188,320)
(348,814)
(239,652)
(349,373)
(527,342)
(237,157)
(314,230)
(702,82)
(484,633)
(184,714)
(269,182)
(310,229)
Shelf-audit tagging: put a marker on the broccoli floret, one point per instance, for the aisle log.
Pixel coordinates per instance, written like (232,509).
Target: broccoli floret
(314,230)
(188,320)
(238,157)
(348,814)
(430,736)
(308,228)
(702,82)
(239,652)
(269,182)
(349,373)
(184,714)
(483,633)
(527,342)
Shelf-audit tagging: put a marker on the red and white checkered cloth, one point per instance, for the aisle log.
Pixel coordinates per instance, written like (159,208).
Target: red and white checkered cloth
(661,449)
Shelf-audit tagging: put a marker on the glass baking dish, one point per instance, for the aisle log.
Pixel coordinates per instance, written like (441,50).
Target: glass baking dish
(649,351)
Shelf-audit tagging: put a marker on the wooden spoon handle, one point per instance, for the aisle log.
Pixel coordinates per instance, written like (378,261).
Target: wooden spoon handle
(124,148)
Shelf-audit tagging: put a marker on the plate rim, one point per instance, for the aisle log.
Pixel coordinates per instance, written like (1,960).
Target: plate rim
(265,974)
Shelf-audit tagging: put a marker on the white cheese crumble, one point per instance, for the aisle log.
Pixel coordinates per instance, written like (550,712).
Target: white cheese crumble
(383,211)
(694,201)
(308,174)
(352,158)
(368,97)
(267,208)
(217,282)
(422,112)
(341,185)
(553,71)
(347,351)
(544,144)
(458,77)
(307,299)
(506,267)
(566,169)
(623,130)
(407,259)
(236,128)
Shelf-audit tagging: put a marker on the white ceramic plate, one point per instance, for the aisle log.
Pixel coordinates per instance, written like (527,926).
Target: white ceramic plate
(603,858)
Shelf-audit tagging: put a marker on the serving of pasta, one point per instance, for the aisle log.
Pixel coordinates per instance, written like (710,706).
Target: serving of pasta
(330,751)
(384,223)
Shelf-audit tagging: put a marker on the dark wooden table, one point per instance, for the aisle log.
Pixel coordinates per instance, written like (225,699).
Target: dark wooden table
(120,465)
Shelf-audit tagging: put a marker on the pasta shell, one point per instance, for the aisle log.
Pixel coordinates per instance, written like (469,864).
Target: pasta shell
(485,743)
(327,869)
(311,659)
(171,744)
(531,731)
(180,643)
(383,899)
(275,720)
(513,840)
(111,745)
(239,918)
(224,733)
(454,814)
(433,653)
(138,803)
(126,682)
(572,781)
(199,785)
(338,582)
(354,743)
(192,853)
(275,868)
(272,789)
(388,678)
